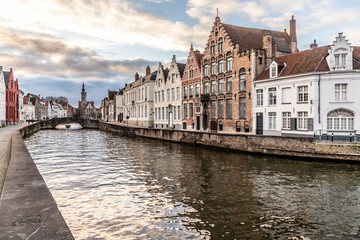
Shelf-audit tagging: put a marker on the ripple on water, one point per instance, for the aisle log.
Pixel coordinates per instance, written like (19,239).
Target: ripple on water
(111,187)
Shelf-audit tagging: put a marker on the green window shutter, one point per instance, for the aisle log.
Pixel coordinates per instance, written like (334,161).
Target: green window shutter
(310,124)
(292,123)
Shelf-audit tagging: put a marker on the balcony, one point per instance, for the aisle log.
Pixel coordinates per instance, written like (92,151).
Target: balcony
(205,97)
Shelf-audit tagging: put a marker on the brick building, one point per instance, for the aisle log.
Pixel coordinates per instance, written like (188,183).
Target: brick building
(12,98)
(191,85)
(233,57)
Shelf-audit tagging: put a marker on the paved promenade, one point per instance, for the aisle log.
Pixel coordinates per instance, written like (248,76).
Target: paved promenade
(5,144)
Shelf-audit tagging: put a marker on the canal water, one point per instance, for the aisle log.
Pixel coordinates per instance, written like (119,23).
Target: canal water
(113,187)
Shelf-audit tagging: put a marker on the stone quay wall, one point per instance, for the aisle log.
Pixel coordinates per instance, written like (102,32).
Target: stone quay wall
(297,147)
(27,207)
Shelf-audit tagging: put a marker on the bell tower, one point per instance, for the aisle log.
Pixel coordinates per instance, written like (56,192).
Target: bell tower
(83,96)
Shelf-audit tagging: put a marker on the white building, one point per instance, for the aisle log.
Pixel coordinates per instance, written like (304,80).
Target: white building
(29,111)
(21,107)
(120,106)
(2,99)
(167,95)
(62,110)
(139,105)
(313,92)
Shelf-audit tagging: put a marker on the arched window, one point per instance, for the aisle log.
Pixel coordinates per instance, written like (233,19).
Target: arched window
(242,80)
(212,47)
(220,45)
(229,62)
(340,119)
(213,67)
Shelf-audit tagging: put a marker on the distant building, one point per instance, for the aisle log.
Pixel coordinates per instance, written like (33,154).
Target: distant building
(120,105)
(312,92)
(21,107)
(29,111)
(2,99)
(12,98)
(87,109)
(139,104)
(111,106)
(167,95)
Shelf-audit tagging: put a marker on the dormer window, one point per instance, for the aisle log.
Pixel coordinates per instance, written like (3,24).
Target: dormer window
(338,54)
(273,70)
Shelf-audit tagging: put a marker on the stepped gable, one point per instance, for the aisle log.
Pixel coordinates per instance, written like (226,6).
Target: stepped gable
(300,62)
(181,67)
(249,38)
(6,77)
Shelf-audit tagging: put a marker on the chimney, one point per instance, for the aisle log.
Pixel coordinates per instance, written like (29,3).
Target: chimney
(148,71)
(293,39)
(136,76)
(313,45)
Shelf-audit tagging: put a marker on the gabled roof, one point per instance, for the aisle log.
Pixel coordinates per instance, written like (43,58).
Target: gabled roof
(111,95)
(249,38)
(181,67)
(300,62)
(6,77)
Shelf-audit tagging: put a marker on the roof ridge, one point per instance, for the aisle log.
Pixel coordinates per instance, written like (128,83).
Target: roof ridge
(253,28)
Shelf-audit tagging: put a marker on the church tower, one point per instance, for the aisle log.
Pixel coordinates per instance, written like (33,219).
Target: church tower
(83,96)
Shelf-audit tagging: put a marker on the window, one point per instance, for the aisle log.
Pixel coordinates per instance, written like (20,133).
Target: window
(242,107)
(163,95)
(198,108)
(206,70)
(242,82)
(206,87)
(155,97)
(302,121)
(212,47)
(286,120)
(343,59)
(221,66)
(213,86)
(191,110)
(197,90)
(302,93)
(229,64)
(166,112)
(340,119)
(272,96)
(185,92)
(272,121)
(163,113)
(191,91)
(168,94)
(220,45)
(173,77)
(221,109)
(185,110)
(159,99)
(173,94)
(221,86)
(191,74)
(228,84)
(337,57)
(213,65)
(174,112)
(273,70)
(177,93)
(228,108)
(179,113)
(145,110)
(341,92)
(259,97)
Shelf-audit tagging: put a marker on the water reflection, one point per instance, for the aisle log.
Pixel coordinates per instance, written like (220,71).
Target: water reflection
(111,187)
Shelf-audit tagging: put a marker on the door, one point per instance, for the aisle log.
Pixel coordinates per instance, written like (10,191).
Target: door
(259,124)
(198,123)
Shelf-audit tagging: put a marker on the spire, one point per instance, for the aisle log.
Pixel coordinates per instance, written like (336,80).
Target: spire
(191,48)
(83,87)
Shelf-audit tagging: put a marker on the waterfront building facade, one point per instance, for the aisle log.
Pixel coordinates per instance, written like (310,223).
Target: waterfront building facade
(232,58)
(313,92)
(167,96)
(191,90)
(29,111)
(139,103)
(111,106)
(12,98)
(21,107)
(2,99)
(120,106)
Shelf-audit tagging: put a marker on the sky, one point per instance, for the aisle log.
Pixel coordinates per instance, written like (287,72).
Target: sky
(53,46)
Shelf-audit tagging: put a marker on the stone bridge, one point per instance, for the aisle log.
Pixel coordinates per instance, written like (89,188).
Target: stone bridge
(85,123)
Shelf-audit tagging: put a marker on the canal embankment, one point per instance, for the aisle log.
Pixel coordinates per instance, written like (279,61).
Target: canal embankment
(299,147)
(27,208)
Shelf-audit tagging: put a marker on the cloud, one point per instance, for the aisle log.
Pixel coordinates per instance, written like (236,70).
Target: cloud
(50,56)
